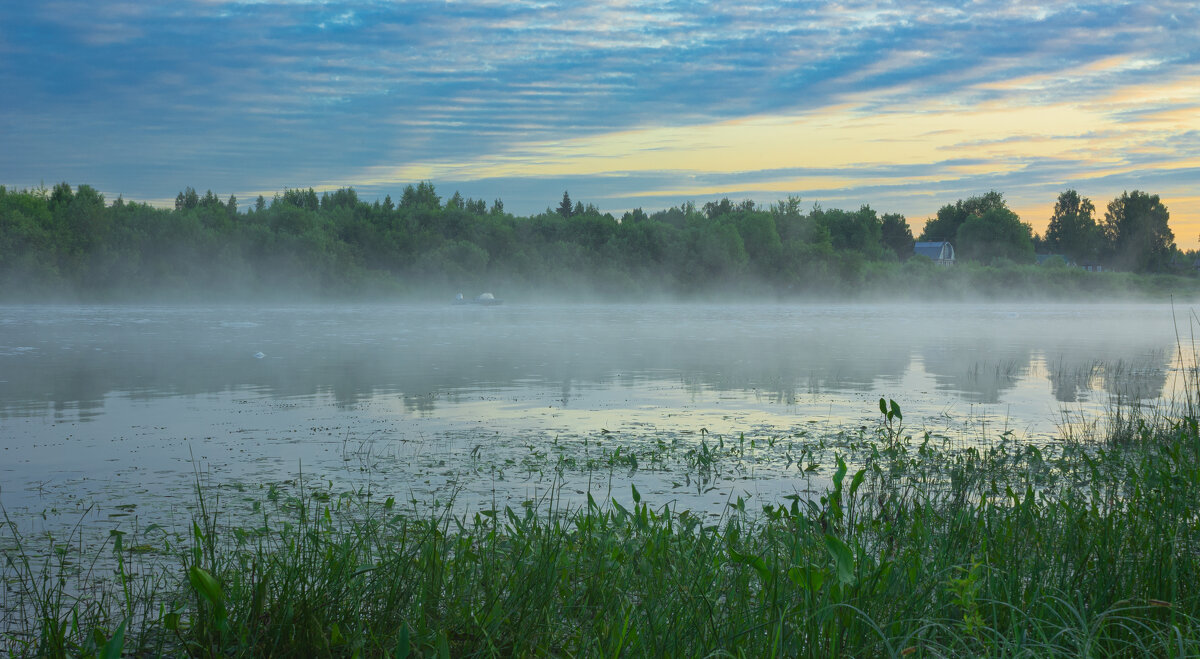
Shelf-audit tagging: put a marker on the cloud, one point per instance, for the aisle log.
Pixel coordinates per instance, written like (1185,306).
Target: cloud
(650,98)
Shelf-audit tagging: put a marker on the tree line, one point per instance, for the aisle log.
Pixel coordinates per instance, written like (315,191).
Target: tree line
(334,243)
(1133,235)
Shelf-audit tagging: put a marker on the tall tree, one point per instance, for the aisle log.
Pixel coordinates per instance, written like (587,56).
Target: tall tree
(564,207)
(61,196)
(715,209)
(1073,231)
(634,216)
(851,231)
(1139,239)
(186,199)
(952,216)
(995,234)
(421,195)
(896,235)
(306,199)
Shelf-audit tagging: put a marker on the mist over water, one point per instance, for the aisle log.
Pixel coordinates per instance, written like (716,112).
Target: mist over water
(109,405)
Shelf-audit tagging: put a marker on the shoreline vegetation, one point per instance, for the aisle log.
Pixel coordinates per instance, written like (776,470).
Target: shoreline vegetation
(72,245)
(920,547)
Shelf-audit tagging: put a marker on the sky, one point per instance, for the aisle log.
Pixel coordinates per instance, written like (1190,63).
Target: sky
(905,106)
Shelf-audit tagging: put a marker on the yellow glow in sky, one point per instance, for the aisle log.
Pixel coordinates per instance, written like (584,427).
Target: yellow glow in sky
(1102,136)
(838,138)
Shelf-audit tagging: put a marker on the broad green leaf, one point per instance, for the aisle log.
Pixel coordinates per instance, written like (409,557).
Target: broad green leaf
(403,647)
(843,558)
(808,577)
(115,645)
(857,481)
(205,585)
(756,562)
(839,475)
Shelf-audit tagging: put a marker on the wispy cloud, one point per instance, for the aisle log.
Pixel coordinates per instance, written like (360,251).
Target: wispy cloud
(628,102)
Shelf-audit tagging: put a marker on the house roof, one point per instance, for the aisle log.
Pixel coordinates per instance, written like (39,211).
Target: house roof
(933,250)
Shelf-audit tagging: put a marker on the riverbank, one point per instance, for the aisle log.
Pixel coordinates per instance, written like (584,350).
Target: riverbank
(1087,547)
(854,281)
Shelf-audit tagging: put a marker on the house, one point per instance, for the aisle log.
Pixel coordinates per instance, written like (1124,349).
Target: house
(942,253)
(1043,259)
(1181,263)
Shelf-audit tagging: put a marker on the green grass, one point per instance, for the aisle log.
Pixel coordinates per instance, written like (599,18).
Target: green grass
(918,550)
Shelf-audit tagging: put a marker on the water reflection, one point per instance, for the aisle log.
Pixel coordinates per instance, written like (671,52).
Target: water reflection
(67,361)
(125,405)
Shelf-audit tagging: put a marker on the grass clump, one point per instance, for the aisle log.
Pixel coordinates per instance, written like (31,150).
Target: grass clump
(917,550)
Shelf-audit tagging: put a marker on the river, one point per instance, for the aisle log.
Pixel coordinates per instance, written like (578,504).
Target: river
(112,413)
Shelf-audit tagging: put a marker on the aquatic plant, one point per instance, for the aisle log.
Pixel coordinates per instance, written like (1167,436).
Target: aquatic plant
(919,548)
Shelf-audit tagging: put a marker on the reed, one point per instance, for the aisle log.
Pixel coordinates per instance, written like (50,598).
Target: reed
(918,549)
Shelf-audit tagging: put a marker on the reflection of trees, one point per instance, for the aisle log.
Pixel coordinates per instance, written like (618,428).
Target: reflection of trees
(978,373)
(419,404)
(982,371)
(1069,375)
(985,356)
(352,355)
(978,352)
(1130,373)
(1137,378)
(979,368)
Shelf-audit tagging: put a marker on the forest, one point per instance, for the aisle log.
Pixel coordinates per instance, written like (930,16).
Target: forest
(72,244)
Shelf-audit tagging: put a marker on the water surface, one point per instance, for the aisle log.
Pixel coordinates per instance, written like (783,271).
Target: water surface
(115,409)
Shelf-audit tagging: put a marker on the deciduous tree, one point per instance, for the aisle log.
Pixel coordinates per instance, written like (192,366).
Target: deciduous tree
(896,235)
(994,235)
(1139,239)
(1073,231)
(952,216)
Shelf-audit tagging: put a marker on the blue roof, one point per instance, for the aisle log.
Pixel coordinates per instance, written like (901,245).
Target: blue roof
(934,249)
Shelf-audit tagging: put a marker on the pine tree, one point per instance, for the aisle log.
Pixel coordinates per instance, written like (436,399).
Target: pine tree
(565,208)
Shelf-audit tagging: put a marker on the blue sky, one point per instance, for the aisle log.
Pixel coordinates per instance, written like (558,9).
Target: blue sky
(901,105)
